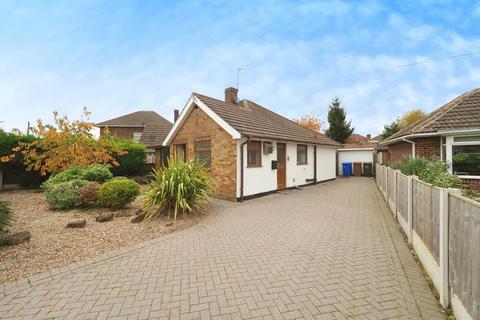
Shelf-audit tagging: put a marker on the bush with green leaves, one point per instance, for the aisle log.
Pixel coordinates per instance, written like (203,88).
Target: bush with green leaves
(5,217)
(15,171)
(434,171)
(65,195)
(410,166)
(437,173)
(118,192)
(95,172)
(181,187)
(132,163)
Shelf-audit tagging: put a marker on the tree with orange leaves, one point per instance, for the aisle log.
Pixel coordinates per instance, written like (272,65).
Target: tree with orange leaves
(310,121)
(65,143)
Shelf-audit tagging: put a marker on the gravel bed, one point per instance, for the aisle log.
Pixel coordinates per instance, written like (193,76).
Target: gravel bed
(52,245)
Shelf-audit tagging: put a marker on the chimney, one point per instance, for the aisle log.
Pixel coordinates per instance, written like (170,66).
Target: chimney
(369,136)
(175,115)
(231,95)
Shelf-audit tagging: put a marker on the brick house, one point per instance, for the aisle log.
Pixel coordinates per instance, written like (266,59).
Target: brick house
(147,127)
(450,133)
(247,149)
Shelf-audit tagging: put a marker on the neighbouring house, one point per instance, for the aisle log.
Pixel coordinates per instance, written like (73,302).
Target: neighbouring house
(248,149)
(147,127)
(450,133)
(360,150)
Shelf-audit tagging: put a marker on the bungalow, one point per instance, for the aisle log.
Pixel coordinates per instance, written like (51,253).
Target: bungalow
(147,127)
(248,149)
(450,133)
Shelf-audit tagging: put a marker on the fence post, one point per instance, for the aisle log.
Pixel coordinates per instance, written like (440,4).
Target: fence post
(1,180)
(410,208)
(386,184)
(443,259)
(395,193)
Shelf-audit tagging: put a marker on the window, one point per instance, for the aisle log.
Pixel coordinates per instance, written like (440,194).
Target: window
(254,154)
(302,153)
(203,153)
(137,136)
(181,152)
(466,160)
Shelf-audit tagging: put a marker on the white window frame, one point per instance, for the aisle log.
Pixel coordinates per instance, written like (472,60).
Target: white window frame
(449,143)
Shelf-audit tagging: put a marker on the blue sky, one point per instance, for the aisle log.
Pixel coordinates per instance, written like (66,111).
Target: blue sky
(117,57)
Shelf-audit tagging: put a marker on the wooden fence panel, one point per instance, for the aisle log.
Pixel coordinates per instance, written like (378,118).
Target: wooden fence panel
(402,196)
(426,216)
(464,252)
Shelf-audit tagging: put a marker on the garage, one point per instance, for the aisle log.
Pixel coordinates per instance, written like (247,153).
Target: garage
(358,157)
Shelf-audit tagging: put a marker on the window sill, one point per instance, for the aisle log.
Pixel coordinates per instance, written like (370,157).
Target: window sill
(469,177)
(260,166)
(302,164)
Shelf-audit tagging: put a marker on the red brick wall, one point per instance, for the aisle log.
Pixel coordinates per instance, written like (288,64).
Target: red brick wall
(223,171)
(398,151)
(471,184)
(428,147)
(121,132)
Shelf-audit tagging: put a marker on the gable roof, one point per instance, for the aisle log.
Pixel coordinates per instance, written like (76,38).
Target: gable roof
(462,112)
(250,119)
(155,127)
(136,119)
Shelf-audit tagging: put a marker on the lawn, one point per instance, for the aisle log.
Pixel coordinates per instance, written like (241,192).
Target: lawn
(52,245)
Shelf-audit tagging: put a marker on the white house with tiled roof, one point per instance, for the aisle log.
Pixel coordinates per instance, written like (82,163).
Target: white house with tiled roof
(248,149)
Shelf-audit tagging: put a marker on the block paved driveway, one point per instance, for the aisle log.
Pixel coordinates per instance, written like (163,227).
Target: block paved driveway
(331,251)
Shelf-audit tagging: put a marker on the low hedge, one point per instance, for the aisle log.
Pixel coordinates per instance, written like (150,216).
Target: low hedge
(118,192)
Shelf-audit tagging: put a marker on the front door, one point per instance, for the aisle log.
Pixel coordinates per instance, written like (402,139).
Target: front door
(282,166)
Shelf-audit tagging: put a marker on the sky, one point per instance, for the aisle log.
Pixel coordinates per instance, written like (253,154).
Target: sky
(381,58)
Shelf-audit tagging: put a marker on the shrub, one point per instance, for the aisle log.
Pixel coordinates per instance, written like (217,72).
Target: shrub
(117,193)
(14,170)
(472,194)
(179,187)
(410,166)
(97,172)
(65,195)
(88,195)
(437,173)
(5,217)
(131,163)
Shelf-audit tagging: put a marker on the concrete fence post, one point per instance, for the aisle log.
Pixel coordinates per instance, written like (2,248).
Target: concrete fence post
(443,259)
(395,172)
(386,184)
(410,208)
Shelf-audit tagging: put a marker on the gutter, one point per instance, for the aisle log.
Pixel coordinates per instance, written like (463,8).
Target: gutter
(413,146)
(431,134)
(241,167)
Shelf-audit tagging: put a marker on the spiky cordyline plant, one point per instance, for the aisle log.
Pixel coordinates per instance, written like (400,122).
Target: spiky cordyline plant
(181,187)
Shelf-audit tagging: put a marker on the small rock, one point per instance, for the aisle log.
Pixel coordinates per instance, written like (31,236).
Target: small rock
(139,212)
(121,214)
(105,217)
(17,238)
(168,224)
(138,218)
(77,224)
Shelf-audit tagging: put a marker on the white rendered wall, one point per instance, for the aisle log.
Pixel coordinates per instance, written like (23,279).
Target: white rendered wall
(297,175)
(326,163)
(264,179)
(353,156)
(261,179)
